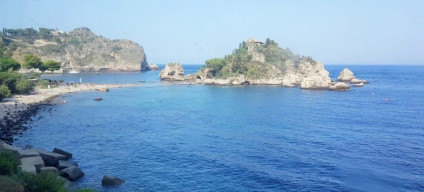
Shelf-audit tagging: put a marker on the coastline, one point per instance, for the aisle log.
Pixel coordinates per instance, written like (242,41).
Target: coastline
(16,111)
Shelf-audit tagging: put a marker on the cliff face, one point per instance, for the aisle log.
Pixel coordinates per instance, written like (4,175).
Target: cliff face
(83,50)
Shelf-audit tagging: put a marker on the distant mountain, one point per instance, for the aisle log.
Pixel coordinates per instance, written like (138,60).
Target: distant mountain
(79,49)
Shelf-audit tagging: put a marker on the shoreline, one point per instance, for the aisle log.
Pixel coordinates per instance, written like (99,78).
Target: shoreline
(16,111)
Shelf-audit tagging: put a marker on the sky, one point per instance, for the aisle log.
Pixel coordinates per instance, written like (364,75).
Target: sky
(189,32)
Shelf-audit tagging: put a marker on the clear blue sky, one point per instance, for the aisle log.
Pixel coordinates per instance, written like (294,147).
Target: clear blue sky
(331,31)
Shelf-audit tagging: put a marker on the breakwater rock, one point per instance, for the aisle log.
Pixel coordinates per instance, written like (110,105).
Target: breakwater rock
(36,161)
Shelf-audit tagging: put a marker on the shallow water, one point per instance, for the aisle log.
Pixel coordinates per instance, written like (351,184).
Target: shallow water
(162,137)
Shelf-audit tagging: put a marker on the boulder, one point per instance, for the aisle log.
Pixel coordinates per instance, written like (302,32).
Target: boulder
(173,72)
(27,168)
(72,173)
(36,161)
(65,164)
(345,75)
(340,86)
(49,170)
(50,158)
(28,153)
(111,181)
(63,152)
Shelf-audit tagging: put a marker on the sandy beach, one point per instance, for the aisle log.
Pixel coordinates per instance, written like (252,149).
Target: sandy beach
(15,110)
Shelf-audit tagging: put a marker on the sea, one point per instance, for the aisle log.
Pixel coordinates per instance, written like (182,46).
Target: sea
(168,137)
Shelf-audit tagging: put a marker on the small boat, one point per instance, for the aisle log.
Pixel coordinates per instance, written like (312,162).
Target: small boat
(98,99)
(73,71)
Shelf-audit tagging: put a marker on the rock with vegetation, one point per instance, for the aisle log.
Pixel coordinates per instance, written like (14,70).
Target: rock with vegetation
(173,72)
(79,49)
(257,63)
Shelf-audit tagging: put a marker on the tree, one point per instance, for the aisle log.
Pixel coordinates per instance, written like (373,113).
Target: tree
(50,65)
(32,61)
(4,92)
(215,65)
(9,63)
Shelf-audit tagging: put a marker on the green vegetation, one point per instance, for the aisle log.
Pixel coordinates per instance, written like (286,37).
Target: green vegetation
(8,63)
(50,65)
(9,163)
(32,61)
(252,59)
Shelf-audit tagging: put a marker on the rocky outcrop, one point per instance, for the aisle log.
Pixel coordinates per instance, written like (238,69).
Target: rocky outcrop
(346,75)
(152,67)
(111,181)
(173,72)
(340,86)
(44,161)
(83,50)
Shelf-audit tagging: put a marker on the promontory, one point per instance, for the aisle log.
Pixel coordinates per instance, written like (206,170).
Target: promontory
(78,50)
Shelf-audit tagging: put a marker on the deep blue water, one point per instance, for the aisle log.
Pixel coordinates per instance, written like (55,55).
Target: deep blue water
(162,137)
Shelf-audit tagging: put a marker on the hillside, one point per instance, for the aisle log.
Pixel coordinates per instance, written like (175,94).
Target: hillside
(79,49)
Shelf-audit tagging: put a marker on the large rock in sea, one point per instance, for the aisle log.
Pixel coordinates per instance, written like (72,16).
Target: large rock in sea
(111,181)
(346,75)
(72,173)
(173,72)
(340,86)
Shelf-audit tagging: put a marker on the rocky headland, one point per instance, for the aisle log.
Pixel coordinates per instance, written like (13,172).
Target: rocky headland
(258,63)
(78,50)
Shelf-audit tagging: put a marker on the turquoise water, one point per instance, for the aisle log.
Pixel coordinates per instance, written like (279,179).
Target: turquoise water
(162,137)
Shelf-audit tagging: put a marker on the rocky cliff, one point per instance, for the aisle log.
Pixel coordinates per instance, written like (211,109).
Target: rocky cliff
(79,49)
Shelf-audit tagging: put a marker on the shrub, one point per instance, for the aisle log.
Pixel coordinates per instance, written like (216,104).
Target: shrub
(23,86)
(4,92)
(9,63)
(8,184)
(43,83)
(44,182)
(9,163)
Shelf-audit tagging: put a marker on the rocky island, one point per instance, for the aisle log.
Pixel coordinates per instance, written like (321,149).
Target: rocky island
(258,63)
(78,50)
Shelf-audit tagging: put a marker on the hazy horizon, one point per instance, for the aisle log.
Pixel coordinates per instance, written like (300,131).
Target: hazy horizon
(189,32)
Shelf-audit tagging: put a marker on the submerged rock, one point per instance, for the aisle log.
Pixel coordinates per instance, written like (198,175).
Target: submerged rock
(111,181)
(357,81)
